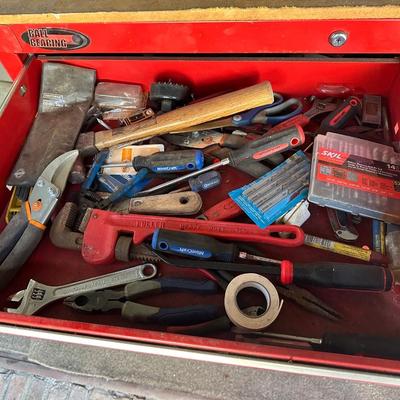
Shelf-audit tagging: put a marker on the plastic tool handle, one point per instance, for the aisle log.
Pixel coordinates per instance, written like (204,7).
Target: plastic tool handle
(343,276)
(205,181)
(98,161)
(136,290)
(338,118)
(193,245)
(170,316)
(171,161)
(17,257)
(372,346)
(222,211)
(124,190)
(264,147)
(12,233)
(300,119)
(190,115)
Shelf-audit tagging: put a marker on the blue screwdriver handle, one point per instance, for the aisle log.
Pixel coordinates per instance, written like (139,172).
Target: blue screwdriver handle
(170,161)
(193,245)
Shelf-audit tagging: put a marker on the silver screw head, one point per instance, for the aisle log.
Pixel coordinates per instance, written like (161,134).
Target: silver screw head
(237,118)
(338,38)
(40,183)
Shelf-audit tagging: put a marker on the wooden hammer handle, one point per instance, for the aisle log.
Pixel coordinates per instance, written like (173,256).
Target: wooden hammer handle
(192,114)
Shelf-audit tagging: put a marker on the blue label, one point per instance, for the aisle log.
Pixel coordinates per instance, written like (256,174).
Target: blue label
(171,168)
(191,251)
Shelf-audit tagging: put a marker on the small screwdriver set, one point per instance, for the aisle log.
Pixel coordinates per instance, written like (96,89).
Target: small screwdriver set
(356,176)
(271,196)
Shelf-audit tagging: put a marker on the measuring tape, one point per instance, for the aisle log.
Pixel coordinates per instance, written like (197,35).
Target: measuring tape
(237,316)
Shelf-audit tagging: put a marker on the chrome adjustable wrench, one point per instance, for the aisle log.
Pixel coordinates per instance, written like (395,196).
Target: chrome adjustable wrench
(37,295)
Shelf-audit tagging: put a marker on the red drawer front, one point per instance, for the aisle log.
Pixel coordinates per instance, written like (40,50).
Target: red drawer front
(379,36)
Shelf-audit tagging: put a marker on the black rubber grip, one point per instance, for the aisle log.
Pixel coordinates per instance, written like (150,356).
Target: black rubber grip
(356,344)
(188,315)
(19,254)
(343,276)
(268,145)
(12,233)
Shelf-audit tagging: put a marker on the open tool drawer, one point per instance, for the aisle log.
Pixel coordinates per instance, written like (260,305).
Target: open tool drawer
(363,312)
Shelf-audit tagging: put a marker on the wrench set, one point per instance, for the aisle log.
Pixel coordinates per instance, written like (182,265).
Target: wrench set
(151,196)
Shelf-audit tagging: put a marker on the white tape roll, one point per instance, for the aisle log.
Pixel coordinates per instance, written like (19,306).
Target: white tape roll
(243,320)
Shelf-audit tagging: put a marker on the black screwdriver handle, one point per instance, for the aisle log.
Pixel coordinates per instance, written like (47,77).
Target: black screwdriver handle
(268,145)
(170,161)
(343,276)
(356,344)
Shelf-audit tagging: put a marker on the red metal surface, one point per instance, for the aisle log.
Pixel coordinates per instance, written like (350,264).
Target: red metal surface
(103,228)
(365,36)
(12,63)
(224,210)
(298,78)
(209,344)
(15,123)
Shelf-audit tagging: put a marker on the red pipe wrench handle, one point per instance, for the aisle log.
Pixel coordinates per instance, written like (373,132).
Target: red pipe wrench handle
(104,227)
(300,119)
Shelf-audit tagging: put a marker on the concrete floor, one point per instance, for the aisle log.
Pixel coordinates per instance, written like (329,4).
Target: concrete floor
(67,371)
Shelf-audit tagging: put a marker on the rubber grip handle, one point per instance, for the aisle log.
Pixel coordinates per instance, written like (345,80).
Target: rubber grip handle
(19,254)
(138,289)
(264,147)
(169,316)
(233,141)
(253,168)
(206,181)
(343,276)
(12,233)
(192,245)
(300,119)
(370,346)
(224,210)
(172,161)
(344,112)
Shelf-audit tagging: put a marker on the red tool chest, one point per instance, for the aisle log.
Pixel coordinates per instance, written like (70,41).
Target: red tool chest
(297,57)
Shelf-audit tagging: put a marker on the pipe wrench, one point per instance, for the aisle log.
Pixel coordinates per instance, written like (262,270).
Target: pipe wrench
(102,228)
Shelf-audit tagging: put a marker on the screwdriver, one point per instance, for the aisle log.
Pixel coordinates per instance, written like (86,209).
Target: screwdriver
(338,118)
(321,274)
(344,343)
(255,150)
(169,161)
(206,181)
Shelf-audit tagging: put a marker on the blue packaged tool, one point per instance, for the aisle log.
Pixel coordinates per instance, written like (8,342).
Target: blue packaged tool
(98,161)
(111,183)
(272,195)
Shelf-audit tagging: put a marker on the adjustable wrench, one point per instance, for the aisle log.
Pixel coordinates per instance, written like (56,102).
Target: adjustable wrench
(102,228)
(37,295)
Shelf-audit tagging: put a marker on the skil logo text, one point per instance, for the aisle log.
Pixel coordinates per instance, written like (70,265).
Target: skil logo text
(55,38)
(331,154)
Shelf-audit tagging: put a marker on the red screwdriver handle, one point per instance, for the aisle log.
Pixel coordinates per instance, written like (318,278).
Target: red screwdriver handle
(104,227)
(300,119)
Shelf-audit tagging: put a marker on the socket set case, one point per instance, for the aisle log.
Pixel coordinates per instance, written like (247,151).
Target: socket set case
(211,57)
(357,176)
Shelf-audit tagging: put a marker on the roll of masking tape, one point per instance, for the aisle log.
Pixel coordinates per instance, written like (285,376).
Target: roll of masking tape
(237,316)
